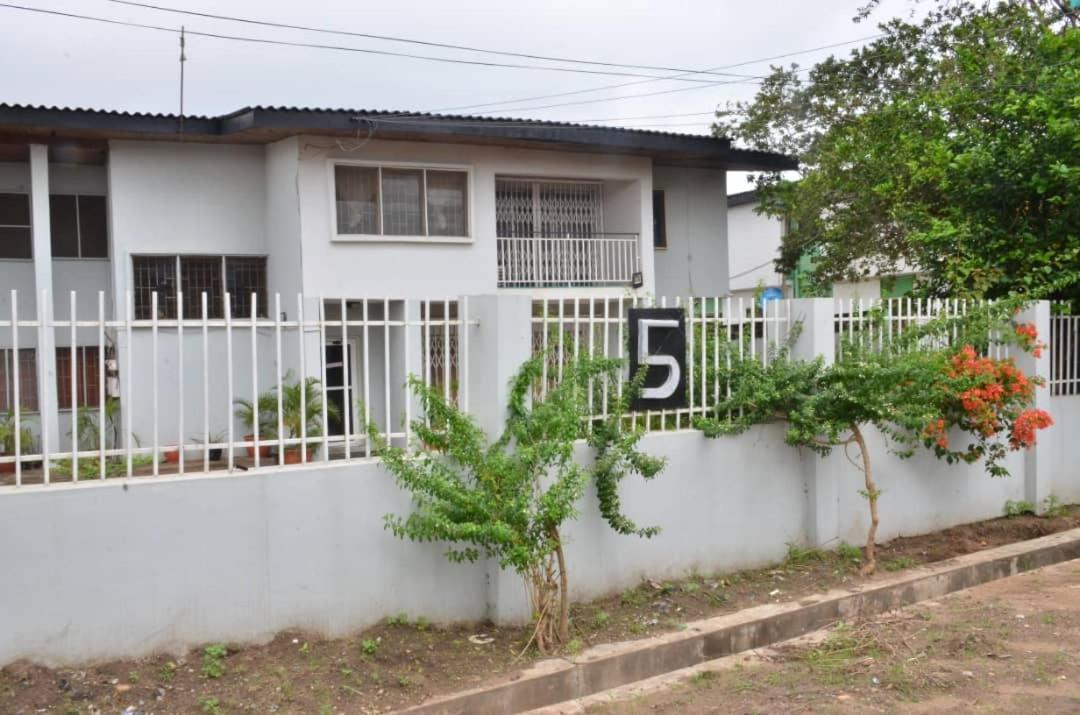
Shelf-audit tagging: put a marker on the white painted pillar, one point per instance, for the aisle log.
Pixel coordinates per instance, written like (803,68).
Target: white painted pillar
(498,345)
(1038,460)
(814,319)
(46,296)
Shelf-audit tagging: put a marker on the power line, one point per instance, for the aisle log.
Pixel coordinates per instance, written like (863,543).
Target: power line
(425,43)
(341,48)
(556,95)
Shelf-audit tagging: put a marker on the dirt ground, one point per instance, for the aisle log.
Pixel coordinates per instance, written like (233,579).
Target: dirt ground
(405,660)
(1008,646)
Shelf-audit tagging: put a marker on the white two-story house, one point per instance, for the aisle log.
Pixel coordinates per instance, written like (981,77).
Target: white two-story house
(336,206)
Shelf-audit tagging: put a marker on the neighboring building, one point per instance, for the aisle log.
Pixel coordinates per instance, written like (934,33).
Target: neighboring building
(333,205)
(754,241)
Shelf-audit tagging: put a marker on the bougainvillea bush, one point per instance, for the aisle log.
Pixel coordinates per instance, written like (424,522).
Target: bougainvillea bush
(932,386)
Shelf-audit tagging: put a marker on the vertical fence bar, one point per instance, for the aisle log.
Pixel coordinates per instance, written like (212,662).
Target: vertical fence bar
(544,348)
(229,381)
(322,376)
(255,379)
(425,337)
(562,348)
(73,369)
(386,369)
(15,385)
(463,353)
(408,396)
(591,326)
(620,348)
(606,328)
(154,378)
(446,355)
(180,381)
(205,384)
(277,374)
(346,378)
(300,330)
(367,382)
(128,379)
(101,384)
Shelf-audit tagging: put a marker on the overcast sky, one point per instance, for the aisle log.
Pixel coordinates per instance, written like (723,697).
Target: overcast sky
(72,62)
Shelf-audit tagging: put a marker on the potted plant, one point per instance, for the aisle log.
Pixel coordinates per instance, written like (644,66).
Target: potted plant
(294,423)
(246,412)
(213,438)
(7,439)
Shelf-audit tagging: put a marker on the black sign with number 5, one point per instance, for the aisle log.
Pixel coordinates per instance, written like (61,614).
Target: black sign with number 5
(658,344)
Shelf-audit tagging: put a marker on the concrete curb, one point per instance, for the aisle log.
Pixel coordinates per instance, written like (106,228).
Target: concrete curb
(611,665)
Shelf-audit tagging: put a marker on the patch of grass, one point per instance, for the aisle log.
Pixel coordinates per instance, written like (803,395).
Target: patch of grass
(210,706)
(831,660)
(690,587)
(601,619)
(633,597)
(213,661)
(1052,506)
(849,555)
(401,619)
(1018,508)
(167,672)
(899,564)
(800,556)
(636,628)
(718,598)
(370,646)
(403,682)
(575,646)
(703,677)
(326,709)
(422,624)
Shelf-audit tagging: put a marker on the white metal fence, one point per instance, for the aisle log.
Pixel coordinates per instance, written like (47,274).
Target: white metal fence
(877,322)
(175,395)
(1065,355)
(565,328)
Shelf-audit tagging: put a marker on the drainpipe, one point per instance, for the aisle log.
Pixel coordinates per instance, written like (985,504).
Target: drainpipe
(44,295)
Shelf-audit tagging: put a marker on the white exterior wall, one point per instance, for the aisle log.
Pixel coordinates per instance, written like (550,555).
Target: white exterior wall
(695,261)
(439,270)
(1064,454)
(125,568)
(753,244)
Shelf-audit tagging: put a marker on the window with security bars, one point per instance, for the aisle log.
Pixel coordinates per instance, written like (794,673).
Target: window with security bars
(400,201)
(439,345)
(16,239)
(548,209)
(27,367)
(87,377)
(213,275)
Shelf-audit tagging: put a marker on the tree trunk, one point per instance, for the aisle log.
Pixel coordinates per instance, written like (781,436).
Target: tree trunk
(871,496)
(563,631)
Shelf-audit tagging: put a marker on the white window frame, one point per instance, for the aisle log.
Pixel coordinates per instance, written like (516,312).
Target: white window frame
(336,237)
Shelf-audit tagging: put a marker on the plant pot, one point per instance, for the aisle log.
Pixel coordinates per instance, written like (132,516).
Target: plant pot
(172,456)
(7,468)
(264,449)
(292,454)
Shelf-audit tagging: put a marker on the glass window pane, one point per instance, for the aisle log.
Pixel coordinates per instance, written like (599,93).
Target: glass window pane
(244,276)
(27,379)
(447,198)
(154,273)
(16,242)
(199,274)
(659,218)
(356,190)
(64,227)
(403,214)
(14,209)
(93,229)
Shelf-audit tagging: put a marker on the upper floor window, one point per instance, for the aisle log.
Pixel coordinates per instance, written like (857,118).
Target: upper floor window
(402,202)
(240,276)
(16,240)
(78,225)
(659,219)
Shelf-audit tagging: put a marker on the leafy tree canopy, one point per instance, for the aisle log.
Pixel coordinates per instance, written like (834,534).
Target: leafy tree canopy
(951,144)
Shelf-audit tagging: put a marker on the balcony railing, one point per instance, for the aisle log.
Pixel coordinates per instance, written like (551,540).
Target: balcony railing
(607,259)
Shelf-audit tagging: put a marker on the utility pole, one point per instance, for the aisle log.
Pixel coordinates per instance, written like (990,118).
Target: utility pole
(183,59)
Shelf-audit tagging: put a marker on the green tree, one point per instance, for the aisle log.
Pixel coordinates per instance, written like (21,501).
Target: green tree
(913,388)
(508,498)
(950,145)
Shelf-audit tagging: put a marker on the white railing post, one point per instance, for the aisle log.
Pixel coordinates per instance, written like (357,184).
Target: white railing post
(1038,459)
(17,403)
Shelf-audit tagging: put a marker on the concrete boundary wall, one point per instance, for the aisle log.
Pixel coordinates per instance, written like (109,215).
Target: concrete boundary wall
(130,567)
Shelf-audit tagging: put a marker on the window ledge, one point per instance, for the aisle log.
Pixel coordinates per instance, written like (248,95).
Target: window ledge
(372,238)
